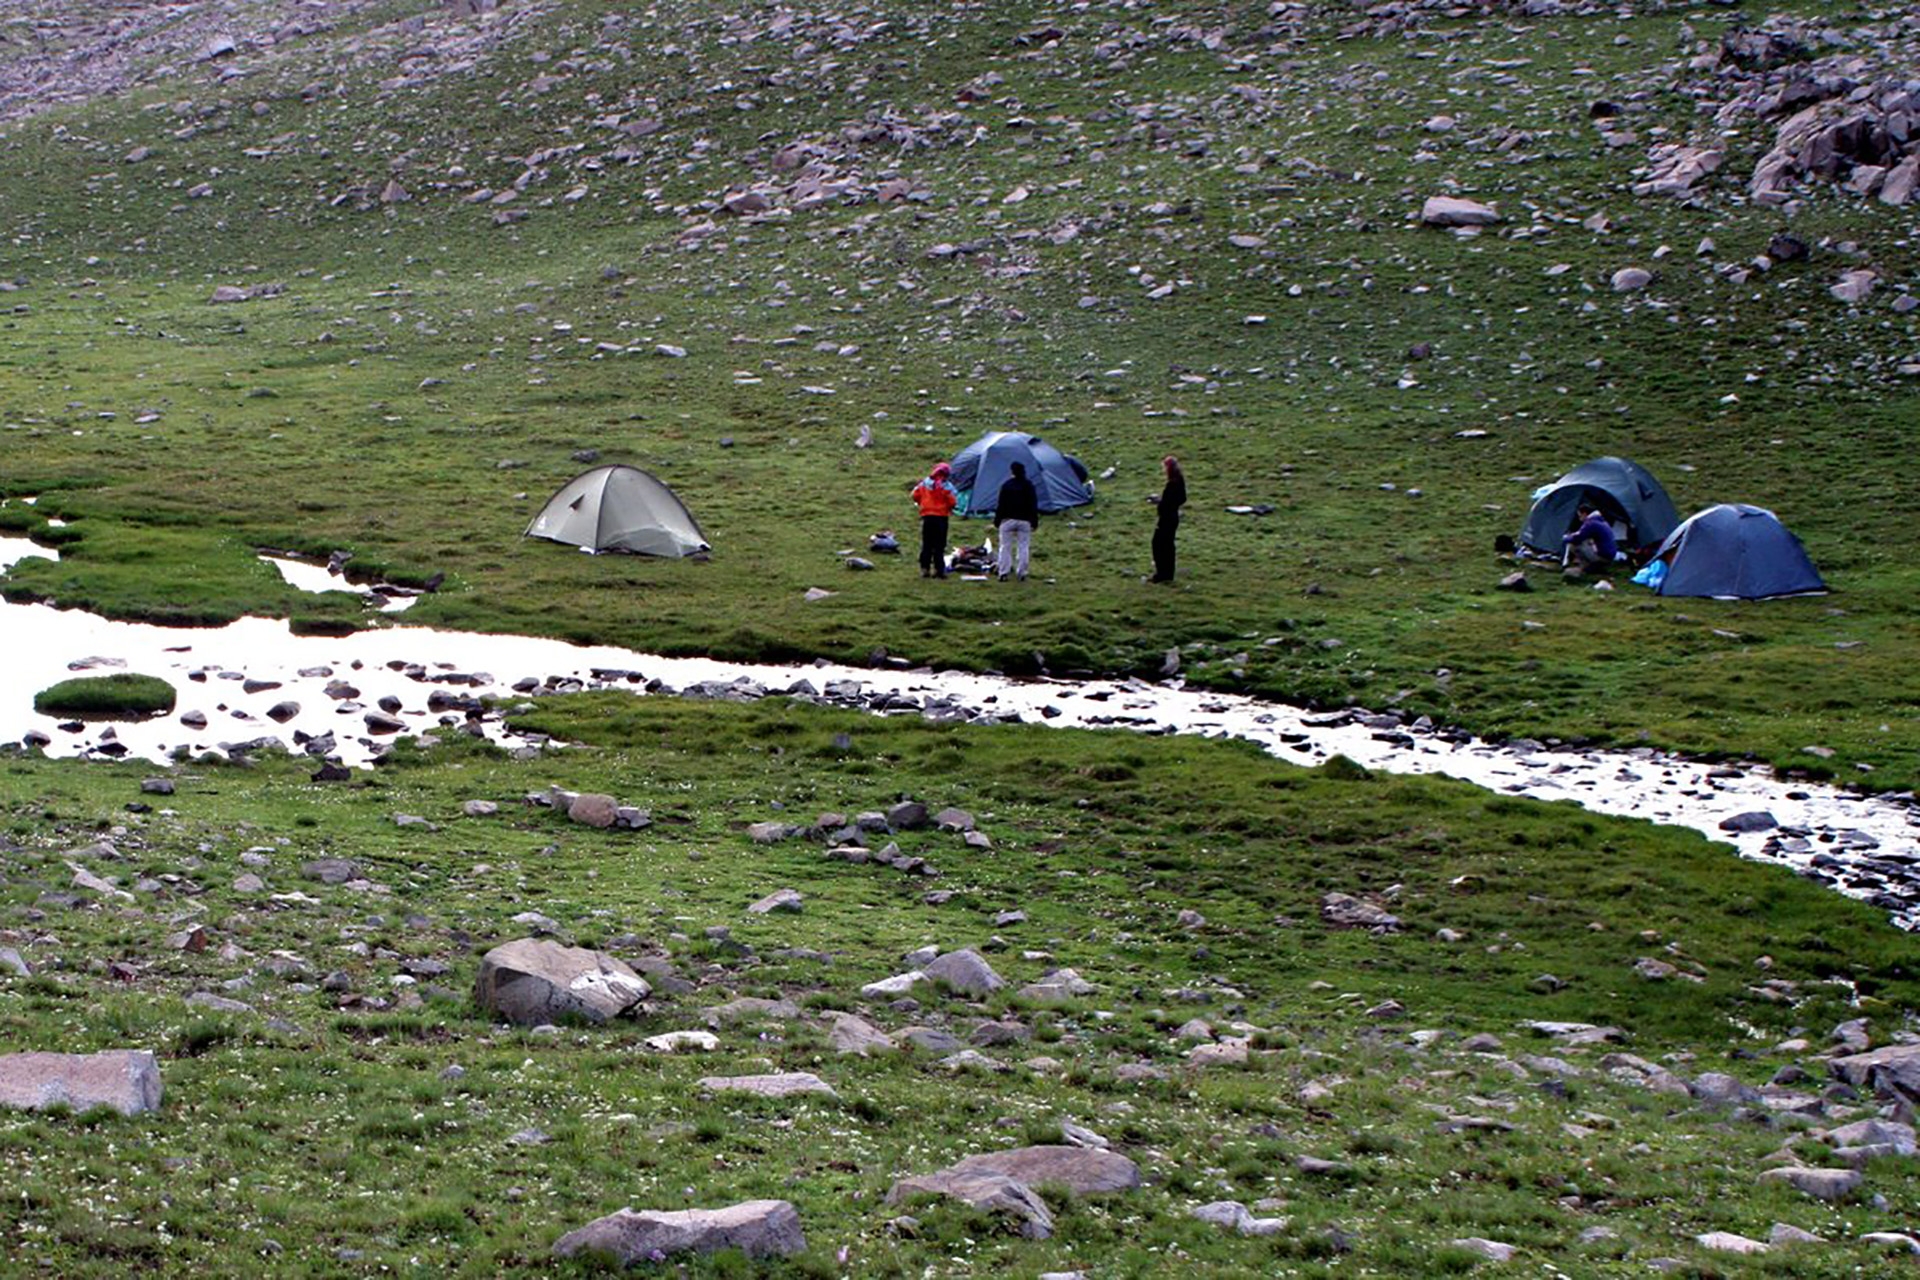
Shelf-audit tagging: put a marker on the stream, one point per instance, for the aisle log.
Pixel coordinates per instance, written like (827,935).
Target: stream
(253,686)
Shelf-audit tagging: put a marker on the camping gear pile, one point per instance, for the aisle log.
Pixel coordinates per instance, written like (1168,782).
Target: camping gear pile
(972,559)
(1731,551)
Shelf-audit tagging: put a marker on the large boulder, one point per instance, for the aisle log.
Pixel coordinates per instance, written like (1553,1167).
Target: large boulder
(1891,1072)
(1451,211)
(965,971)
(593,809)
(533,981)
(850,1033)
(1821,1184)
(783,1085)
(758,1228)
(128,1080)
(1081,1170)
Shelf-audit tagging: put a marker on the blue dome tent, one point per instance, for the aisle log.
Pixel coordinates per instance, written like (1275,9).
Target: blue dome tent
(982,467)
(1738,552)
(1624,492)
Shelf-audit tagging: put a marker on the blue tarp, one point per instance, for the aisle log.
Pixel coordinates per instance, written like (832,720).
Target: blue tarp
(982,467)
(1624,492)
(1736,551)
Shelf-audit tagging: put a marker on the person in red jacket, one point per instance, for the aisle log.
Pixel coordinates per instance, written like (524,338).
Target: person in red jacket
(936,497)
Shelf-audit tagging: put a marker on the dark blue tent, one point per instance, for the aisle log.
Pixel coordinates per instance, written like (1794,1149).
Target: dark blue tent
(982,467)
(1624,492)
(1736,551)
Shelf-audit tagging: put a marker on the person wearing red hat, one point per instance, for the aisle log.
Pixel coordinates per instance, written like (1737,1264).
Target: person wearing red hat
(936,497)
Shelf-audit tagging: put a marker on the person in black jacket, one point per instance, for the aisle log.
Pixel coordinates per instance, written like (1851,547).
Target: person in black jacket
(1171,499)
(1017,512)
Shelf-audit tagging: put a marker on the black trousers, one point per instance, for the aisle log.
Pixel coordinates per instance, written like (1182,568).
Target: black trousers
(1163,533)
(933,544)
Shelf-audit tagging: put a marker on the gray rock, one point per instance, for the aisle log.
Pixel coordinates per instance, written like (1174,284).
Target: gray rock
(966,972)
(779,900)
(1234,1216)
(989,1035)
(1451,211)
(1343,911)
(1821,1184)
(531,981)
(953,820)
(1786,1233)
(1631,279)
(852,1034)
(1723,1090)
(156,786)
(987,1192)
(479,808)
(1491,1250)
(972,1060)
(11,962)
(331,870)
(127,1080)
(758,1228)
(1892,1071)
(1061,984)
(929,1039)
(1874,1133)
(1745,823)
(771,832)
(1905,1243)
(1729,1242)
(908,815)
(781,1085)
(750,1007)
(593,810)
(1081,1170)
(217,1004)
(1079,1136)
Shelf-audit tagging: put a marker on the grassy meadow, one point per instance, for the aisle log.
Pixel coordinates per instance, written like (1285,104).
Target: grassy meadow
(318,1122)
(481,251)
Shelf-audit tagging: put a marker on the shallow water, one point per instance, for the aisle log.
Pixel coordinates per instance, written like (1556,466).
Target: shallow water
(316,578)
(235,674)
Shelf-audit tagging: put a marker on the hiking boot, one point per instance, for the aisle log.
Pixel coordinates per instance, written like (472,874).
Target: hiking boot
(1002,577)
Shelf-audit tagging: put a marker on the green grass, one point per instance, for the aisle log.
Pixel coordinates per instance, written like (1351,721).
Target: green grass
(121,696)
(431,373)
(427,376)
(328,1120)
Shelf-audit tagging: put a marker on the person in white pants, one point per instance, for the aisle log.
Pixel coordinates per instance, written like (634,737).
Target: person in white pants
(1016,536)
(1017,509)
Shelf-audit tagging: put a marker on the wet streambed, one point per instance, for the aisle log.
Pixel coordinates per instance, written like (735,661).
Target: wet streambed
(257,685)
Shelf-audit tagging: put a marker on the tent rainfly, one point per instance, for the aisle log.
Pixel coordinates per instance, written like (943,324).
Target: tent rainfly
(983,466)
(619,508)
(1734,551)
(1624,492)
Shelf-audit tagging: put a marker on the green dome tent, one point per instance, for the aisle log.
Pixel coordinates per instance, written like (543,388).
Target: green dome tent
(619,508)
(1624,492)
